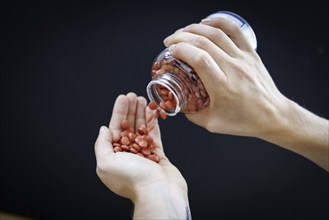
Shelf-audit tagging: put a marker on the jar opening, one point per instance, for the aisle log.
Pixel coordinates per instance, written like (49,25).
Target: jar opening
(156,91)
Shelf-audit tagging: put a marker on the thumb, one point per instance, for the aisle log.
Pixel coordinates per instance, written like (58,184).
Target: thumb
(103,146)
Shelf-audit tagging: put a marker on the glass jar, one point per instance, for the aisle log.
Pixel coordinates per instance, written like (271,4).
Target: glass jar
(175,86)
(237,19)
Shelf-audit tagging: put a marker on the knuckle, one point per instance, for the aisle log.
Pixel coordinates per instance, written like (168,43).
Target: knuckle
(99,172)
(216,34)
(237,30)
(238,70)
(190,27)
(100,169)
(96,143)
(202,59)
(202,42)
(209,125)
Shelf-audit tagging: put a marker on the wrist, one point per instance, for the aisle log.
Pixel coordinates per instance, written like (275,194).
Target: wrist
(162,201)
(287,124)
(278,121)
(299,130)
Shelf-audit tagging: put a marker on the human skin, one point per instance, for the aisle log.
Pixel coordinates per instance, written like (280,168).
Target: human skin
(244,100)
(157,190)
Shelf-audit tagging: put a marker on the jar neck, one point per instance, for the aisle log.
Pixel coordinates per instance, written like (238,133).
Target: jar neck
(174,84)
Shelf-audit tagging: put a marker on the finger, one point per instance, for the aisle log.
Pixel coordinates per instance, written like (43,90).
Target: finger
(179,30)
(140,112)
(231,29)
(201,35)
(103,147)
(120,111)
(220,56)
(205,66)
(197,41)
(217,36)
(154,132)
(132,97)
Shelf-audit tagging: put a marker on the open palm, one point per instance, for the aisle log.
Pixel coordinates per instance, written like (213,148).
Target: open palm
(127,174)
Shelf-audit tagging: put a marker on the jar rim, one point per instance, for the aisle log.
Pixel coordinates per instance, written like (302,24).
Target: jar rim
(163,82)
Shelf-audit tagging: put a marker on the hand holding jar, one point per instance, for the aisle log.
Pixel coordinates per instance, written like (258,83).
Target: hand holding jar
(243,99)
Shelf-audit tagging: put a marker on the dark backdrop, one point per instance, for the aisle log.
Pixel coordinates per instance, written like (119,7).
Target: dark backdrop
(63,65)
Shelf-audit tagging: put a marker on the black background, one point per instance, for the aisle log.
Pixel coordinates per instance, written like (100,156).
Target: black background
(63,65)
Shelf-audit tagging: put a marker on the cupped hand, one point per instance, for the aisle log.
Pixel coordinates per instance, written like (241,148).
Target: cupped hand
(128,174)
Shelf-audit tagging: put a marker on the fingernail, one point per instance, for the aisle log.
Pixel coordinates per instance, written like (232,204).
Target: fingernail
(206,21)
(165,41)
(171,48)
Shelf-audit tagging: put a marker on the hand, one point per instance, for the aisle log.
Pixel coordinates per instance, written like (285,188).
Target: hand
(134,177)
(243,97)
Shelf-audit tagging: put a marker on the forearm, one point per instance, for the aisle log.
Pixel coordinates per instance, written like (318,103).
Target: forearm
(302,132)
(161,203)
